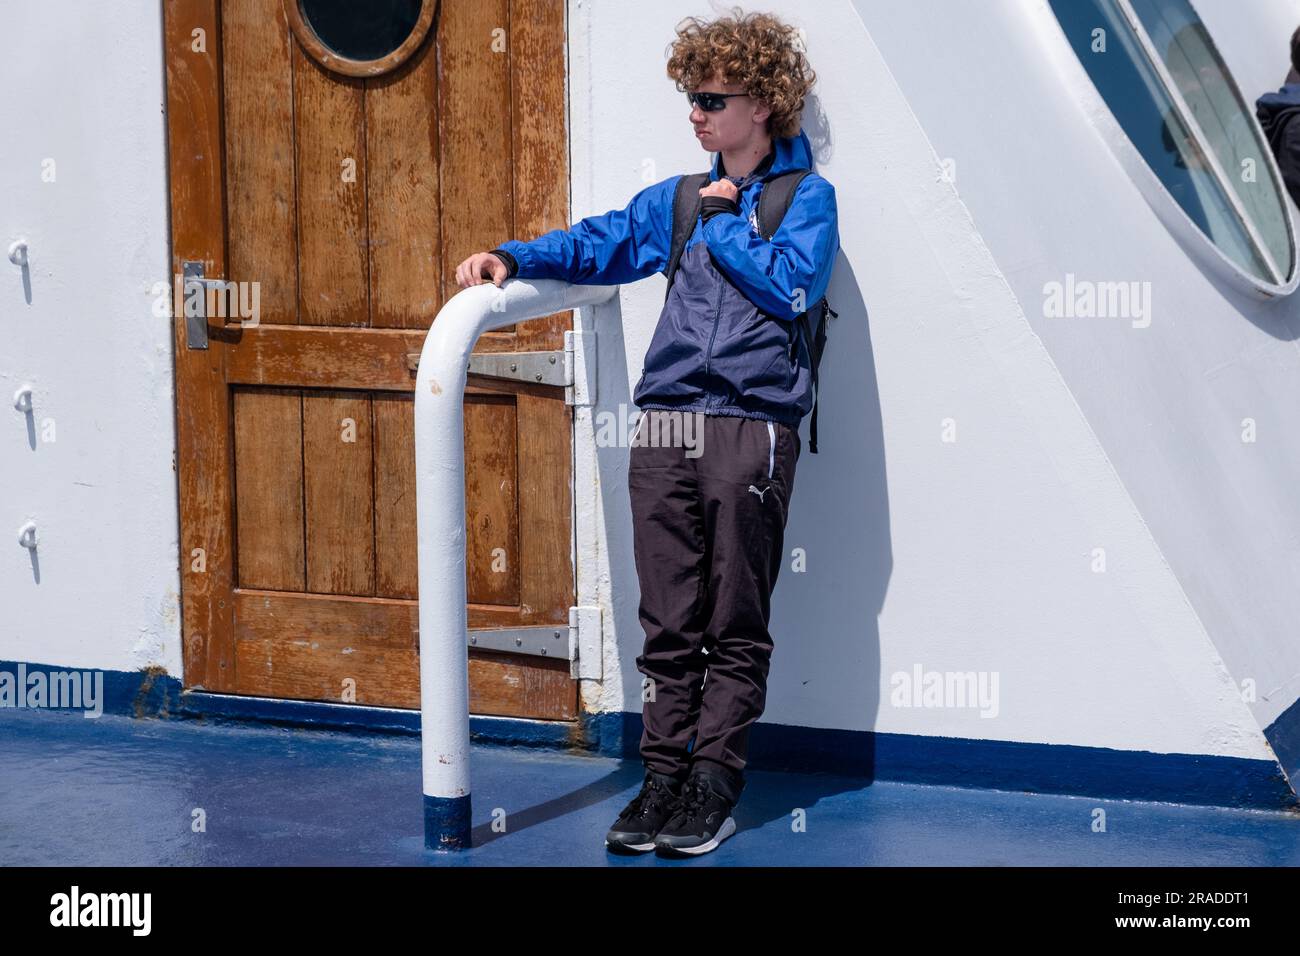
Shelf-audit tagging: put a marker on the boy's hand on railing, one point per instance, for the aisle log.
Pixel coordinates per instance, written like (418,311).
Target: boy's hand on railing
(480,266)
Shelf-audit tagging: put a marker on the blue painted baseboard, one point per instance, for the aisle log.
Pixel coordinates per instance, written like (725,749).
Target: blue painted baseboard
(143,693)
(943,761)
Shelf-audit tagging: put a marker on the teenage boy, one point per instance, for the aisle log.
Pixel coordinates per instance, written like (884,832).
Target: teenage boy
(726,380)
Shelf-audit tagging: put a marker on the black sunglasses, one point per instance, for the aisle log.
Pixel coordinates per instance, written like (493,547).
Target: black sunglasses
(710,102)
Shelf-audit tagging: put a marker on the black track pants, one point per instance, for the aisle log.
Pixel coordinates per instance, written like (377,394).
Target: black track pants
(709,496)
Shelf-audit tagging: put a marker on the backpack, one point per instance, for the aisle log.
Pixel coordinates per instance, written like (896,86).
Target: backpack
(773,201)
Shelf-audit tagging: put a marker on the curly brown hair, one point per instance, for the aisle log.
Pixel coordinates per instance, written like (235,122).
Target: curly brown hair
(755,50)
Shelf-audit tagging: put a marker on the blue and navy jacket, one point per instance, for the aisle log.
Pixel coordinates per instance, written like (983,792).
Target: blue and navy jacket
(727,342)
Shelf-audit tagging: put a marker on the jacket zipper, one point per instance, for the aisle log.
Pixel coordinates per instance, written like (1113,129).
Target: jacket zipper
(716,313)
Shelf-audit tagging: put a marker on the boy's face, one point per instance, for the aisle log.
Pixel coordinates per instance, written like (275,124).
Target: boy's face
(742,121)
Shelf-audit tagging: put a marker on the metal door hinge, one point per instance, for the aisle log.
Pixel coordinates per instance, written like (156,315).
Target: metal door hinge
(548,641)
(578,345)
(586,640)
(541,368)
(579,643)
(567,367)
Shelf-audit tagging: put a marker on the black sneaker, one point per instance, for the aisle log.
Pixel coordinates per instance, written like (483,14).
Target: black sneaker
(703,818)
(641,820)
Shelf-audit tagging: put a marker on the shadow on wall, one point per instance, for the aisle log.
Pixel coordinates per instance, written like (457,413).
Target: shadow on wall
(818,130)
(839,553)
(839,556)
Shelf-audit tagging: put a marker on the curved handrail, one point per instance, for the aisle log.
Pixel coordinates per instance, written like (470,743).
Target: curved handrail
(440,530)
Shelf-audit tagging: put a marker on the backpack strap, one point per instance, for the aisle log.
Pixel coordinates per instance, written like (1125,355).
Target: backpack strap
(774,200)
(686,209)
(773,203)
(816,347)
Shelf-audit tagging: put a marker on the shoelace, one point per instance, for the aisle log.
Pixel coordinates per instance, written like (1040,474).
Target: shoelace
(695,794)
(650,796)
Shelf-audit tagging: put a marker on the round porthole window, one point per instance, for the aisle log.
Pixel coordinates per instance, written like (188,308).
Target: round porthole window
(360,39)
(1162,80)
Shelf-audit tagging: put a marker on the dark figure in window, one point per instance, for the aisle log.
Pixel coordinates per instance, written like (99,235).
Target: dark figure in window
(1277,113)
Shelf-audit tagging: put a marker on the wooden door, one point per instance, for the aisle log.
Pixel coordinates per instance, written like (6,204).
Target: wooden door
(345,201)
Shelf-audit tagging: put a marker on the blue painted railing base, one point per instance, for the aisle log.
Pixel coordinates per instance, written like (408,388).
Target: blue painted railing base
(447,824)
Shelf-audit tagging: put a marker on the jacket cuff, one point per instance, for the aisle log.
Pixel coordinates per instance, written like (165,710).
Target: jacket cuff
(710,206)
(512,264)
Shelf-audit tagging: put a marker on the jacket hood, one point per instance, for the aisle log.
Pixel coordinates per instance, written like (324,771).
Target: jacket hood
(792,152)
(1274,109)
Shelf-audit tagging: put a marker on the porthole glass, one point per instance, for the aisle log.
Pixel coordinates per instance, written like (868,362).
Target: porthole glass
(361,37)
(366,30)
(1157,69)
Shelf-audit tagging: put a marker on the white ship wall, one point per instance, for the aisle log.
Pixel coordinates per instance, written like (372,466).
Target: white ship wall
(92,464)
(1167,402)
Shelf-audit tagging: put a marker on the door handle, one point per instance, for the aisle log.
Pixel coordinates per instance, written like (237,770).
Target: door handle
(194,289)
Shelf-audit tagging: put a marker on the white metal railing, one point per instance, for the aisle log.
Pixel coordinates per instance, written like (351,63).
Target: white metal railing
(440,528)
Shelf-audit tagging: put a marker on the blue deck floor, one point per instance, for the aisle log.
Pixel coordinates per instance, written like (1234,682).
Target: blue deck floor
(121,791)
